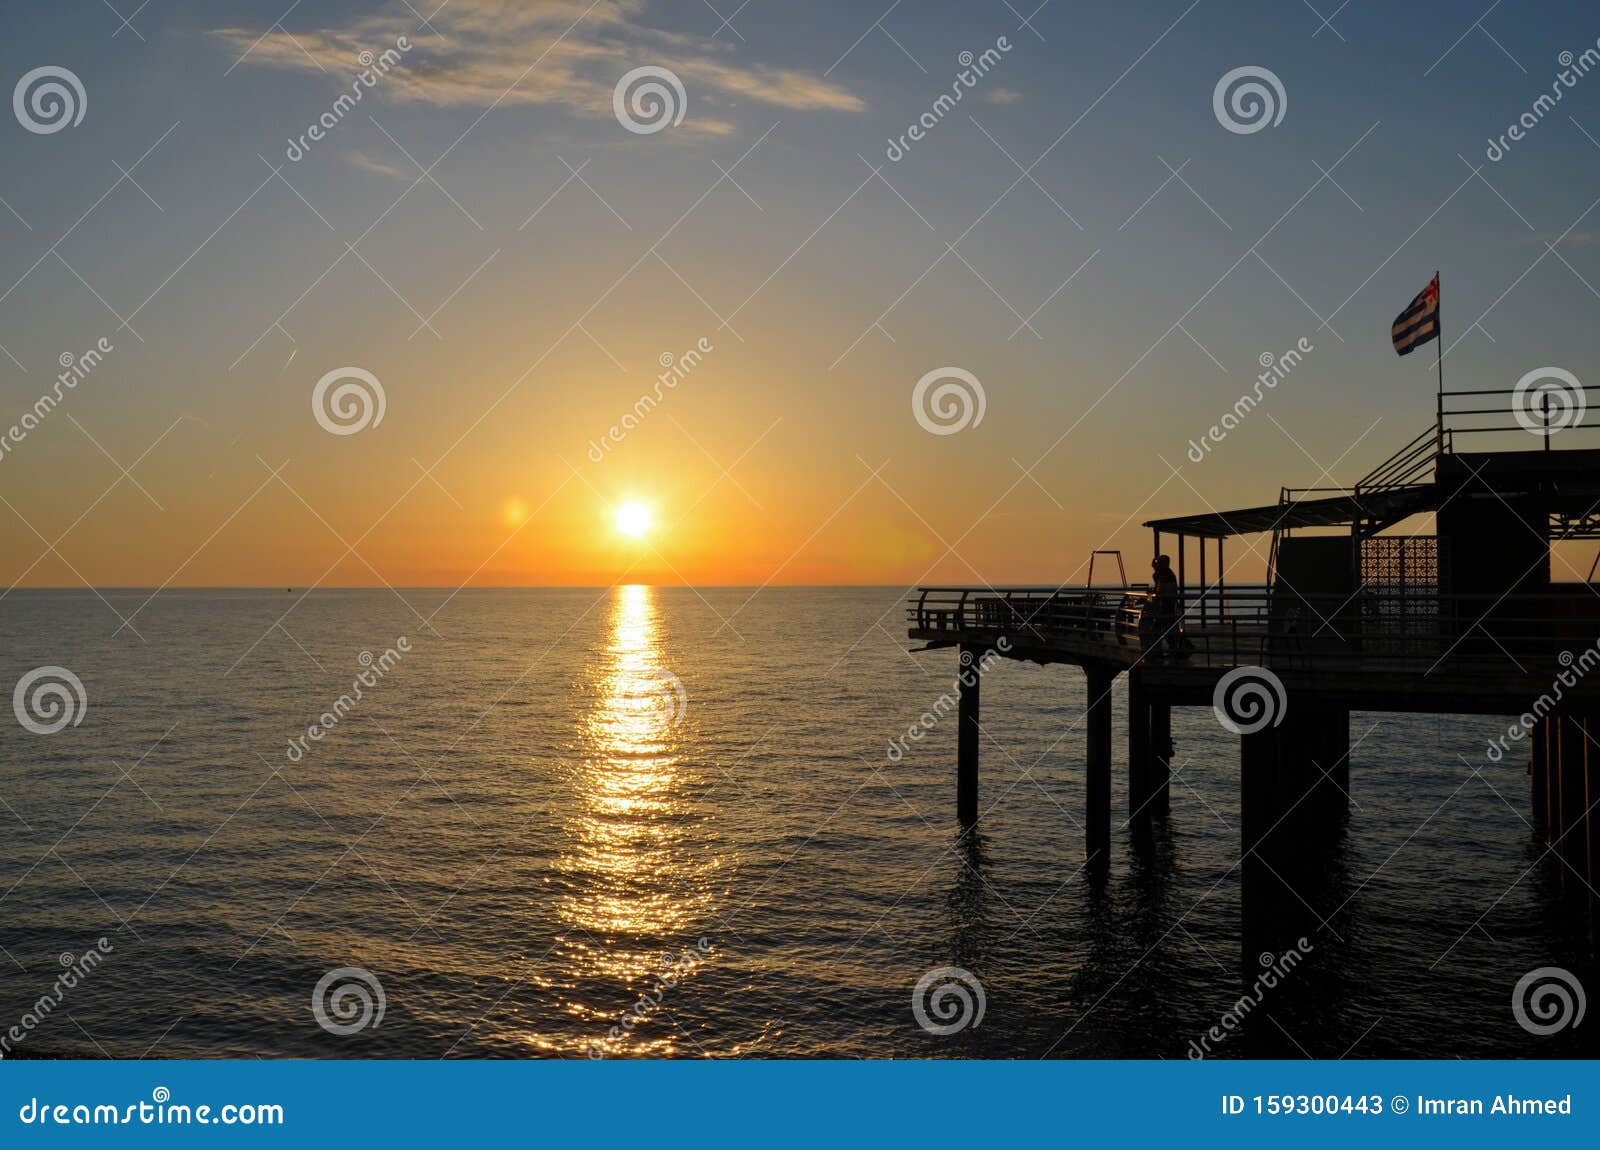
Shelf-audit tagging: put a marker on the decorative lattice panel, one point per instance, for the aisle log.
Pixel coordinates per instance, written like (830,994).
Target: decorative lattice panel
(1400,577)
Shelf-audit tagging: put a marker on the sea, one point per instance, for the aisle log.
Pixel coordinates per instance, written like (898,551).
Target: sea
(670,822)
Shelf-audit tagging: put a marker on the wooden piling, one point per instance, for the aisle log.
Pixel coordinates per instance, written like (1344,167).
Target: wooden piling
(1139,752)
(1339,752)
(1160,781)
(1290,805)
(1591,824)
(1258,771)
(1321,739)
(1538,771)
(967,736)
(1572,786)
(1260,888)
(1097,815)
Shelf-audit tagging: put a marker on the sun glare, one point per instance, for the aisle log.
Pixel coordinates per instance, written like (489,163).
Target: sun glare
(633,520)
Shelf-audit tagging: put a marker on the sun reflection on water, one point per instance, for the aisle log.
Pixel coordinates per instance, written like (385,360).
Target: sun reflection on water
(640,863)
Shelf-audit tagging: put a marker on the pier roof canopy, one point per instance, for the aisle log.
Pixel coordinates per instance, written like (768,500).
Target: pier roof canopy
(1328,511)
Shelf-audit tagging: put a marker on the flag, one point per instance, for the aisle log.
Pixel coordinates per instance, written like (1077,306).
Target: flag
(1419,323)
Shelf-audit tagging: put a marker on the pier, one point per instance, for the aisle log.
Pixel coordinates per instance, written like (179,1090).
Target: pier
(1356,614)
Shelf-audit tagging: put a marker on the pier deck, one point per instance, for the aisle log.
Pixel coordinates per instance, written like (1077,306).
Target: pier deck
(1379,650)
(1357,614)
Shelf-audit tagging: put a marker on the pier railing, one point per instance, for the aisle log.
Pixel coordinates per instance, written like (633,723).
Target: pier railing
(1379,628)
(1550,403)
(1109,614)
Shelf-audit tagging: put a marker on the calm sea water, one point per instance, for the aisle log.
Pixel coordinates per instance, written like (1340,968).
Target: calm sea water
(559,801)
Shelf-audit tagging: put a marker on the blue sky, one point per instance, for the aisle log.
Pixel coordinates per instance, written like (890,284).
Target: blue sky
(810,275)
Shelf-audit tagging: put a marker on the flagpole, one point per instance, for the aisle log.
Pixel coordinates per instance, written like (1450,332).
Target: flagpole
(1438,320)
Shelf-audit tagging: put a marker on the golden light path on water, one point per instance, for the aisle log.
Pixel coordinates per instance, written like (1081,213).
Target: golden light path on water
(639,862)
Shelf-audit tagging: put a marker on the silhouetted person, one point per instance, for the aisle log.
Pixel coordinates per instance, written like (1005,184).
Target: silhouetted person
(1166,604)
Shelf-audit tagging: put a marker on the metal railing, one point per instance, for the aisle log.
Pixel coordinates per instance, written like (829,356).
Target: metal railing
(1100,614)
(1379,628)
(1411,465)
(1563,405)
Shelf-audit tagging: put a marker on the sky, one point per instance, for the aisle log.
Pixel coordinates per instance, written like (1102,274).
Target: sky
(1085,240)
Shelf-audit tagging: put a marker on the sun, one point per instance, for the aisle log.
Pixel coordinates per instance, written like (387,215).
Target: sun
(633,520)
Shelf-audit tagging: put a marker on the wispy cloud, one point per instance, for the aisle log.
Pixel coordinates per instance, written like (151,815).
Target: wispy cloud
(1003,96)
(565,53)
(381,167)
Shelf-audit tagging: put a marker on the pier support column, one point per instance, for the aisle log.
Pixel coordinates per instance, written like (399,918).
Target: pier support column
(1160,779)
(1339,752)
(1291,805)
(1260,783)
(1285,816)
(1538,771)
(1139,752)
(1322,739)
(1097,821)
(1571,782)
(1261,890)
(967,736)
(1591,825)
